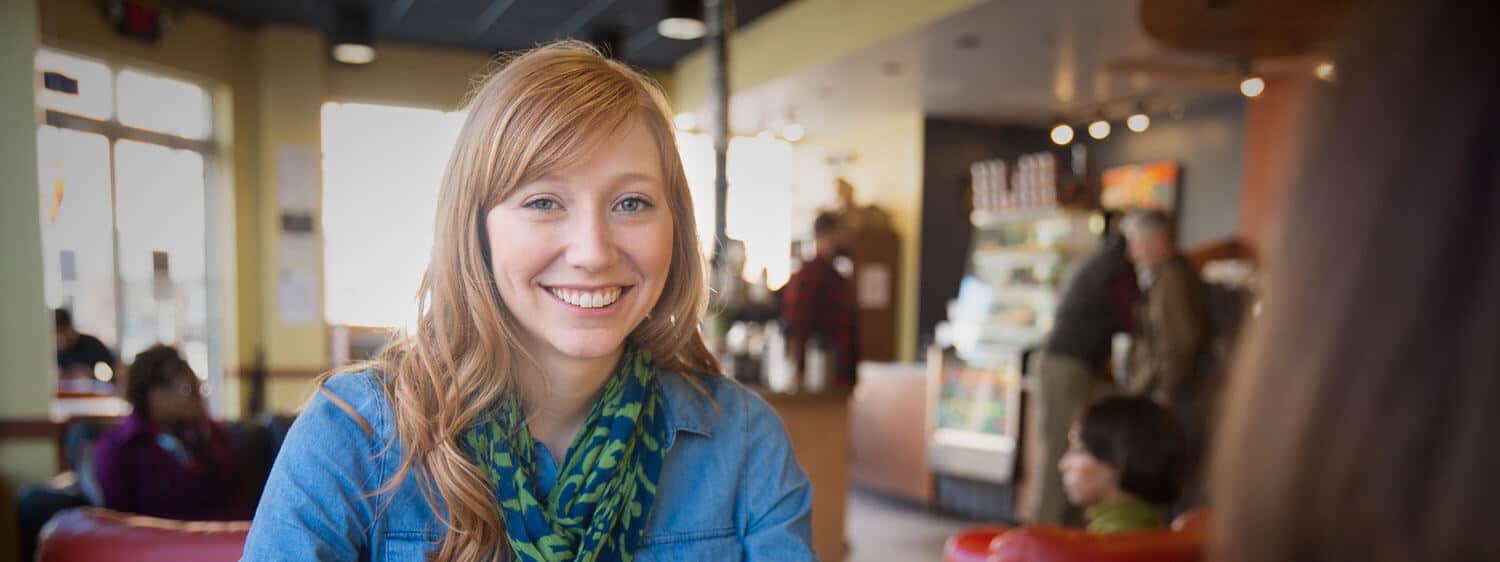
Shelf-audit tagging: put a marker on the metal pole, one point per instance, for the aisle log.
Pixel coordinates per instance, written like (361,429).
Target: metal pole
(718,16)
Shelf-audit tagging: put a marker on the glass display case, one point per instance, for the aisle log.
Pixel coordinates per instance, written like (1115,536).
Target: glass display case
(1005,306)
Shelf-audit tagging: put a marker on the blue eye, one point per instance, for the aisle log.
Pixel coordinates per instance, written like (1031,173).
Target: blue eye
(542,204)
(633,204)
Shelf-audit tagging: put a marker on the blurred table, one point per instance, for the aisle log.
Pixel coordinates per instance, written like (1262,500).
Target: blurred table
(890,431)
(66,408)
(818,425)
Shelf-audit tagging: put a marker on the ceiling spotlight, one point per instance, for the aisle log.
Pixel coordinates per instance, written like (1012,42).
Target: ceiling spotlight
(1138,121)
(686,121)
(1062,134)
(1324,71)
(1252,86)
(683,20)
(353,53)
(1099,129)
(793,132)
(352,42)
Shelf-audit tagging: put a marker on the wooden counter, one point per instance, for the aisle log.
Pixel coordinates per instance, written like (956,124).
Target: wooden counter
(819,428)
(891,430)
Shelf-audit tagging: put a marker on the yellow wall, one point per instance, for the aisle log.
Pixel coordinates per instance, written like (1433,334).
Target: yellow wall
(24,332)
(25,325)
(803,35)
(810,33)
(888,173)
(291,94)
(25,377)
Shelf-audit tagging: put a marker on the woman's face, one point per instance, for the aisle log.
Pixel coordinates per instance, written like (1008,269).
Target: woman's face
(177,401)
(580,255)
(1086,479)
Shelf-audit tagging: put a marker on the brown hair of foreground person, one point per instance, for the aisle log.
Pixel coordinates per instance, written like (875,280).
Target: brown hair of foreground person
(1361,421)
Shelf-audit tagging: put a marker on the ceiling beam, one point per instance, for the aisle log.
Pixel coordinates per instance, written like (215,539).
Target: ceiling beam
(488,18)
(394,15)
(639,41)
(581,18)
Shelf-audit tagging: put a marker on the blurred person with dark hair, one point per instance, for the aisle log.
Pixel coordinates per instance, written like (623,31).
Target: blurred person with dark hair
(78,354)
(168,459)
(1124,464)
(818,303)
(1360,420)
(1097,302)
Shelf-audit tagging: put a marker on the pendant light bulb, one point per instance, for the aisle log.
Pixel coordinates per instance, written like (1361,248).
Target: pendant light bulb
(1062,134)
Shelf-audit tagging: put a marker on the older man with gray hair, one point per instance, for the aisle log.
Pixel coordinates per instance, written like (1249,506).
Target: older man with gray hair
(1171,333)
(1172,321)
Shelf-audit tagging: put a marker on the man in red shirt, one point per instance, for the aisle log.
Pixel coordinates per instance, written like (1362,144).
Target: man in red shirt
(818,303)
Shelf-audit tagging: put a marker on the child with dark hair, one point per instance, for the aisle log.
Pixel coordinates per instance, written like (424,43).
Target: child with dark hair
(1124,464)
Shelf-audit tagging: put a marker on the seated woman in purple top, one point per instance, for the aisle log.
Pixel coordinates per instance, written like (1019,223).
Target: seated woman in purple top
(168,459)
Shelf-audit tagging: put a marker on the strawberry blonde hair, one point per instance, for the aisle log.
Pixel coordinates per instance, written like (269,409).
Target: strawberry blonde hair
(543,110)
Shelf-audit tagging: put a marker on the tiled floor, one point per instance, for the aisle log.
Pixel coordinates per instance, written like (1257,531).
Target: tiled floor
(884,530)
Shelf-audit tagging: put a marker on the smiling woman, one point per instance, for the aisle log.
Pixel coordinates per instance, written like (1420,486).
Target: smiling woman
(555,400)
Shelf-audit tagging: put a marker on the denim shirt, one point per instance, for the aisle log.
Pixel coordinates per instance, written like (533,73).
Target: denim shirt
(729,488)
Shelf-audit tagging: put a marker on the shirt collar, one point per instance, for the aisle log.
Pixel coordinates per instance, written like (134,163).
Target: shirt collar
(687,407)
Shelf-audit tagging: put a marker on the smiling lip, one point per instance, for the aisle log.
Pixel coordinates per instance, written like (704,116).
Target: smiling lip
(588,299)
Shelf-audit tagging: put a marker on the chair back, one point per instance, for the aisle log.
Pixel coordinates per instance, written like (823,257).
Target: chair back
(91,533)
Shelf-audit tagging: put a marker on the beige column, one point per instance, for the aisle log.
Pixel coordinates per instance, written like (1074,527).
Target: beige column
(27,452)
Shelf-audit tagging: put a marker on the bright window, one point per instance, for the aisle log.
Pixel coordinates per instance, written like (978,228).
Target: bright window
(162,248)
(95,97)
(156,103)
(381,170)
(123,206)
(759,210)
(77,216)
(697,152)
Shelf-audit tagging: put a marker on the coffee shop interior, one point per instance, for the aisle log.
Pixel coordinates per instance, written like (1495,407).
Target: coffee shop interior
(223,177)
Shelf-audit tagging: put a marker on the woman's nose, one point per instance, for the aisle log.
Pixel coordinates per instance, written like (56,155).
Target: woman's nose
(591,244)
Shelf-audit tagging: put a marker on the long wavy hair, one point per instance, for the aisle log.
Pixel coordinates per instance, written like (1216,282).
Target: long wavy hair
(542,110)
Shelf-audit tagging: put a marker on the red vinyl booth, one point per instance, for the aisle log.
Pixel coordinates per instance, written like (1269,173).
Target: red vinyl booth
(972,545)
(91,533)
(1184,542)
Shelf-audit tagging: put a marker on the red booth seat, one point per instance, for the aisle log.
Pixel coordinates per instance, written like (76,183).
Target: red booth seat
(90,533)
(1055,544)
(972,545)
(1184,542)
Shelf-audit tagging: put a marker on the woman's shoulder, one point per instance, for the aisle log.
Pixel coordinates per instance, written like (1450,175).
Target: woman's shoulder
(352,401)
(130,434)
(716,401)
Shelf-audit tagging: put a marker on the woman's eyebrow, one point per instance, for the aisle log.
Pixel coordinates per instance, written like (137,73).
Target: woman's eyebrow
(636,177)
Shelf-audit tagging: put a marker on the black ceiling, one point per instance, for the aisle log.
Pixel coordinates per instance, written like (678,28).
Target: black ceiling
(493,25)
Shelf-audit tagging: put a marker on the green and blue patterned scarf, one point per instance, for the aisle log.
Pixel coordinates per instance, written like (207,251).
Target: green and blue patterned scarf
(597,509)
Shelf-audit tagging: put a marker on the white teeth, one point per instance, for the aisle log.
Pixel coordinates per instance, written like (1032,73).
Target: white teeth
(588,299)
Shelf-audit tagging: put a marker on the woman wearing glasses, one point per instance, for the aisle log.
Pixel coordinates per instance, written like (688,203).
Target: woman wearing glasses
(168,459)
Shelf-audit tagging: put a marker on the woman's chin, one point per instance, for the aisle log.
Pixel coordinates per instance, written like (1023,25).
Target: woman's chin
(585,348)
